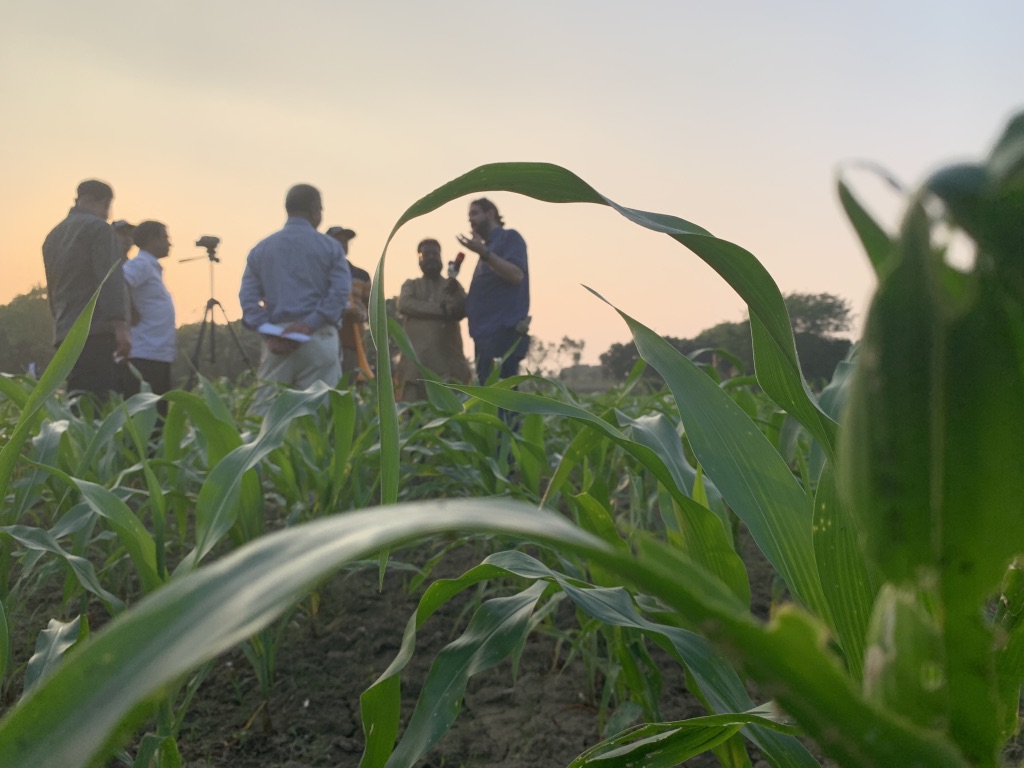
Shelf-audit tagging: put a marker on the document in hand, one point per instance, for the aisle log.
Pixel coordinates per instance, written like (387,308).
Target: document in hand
(269,329)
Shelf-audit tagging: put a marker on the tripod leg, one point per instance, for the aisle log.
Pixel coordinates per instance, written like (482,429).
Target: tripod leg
(207,317)
(238,343)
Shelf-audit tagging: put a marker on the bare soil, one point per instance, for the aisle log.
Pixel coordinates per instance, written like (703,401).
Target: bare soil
(544,715)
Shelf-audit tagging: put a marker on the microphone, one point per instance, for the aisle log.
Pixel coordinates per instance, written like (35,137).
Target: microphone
(453,266)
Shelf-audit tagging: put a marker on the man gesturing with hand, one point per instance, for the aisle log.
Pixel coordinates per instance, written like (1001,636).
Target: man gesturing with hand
(498,303)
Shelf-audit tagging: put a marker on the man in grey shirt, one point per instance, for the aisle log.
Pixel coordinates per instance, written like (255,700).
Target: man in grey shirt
(298,280)
(78,254)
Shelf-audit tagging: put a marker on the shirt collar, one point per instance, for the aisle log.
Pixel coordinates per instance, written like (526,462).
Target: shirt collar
(147,256)
(81,211)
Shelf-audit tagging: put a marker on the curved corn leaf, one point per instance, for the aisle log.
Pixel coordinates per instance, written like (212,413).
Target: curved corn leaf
(777,368)
(218,503)
(750,474)
(666,745)
(51,645)
(878,244)
(54,375)
(38,540)
(497,629)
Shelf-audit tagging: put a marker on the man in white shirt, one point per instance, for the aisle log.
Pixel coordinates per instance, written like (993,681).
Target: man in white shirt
(153,329)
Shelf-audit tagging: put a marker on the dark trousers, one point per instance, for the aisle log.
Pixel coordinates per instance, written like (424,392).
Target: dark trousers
(155,373)
(487,348)
(96,372)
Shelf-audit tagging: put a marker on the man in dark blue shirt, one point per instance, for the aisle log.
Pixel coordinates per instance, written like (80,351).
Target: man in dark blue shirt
(498,303)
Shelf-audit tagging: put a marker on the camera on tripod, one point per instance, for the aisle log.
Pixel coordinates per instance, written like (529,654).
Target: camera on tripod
(210,243)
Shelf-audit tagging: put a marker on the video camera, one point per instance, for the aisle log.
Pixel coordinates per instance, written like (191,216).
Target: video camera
(210,243)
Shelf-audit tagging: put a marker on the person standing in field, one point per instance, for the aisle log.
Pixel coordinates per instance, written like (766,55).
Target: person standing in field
(78,255)
(353,319)
(498,303)
(298,279)
(431,308)
(153,328)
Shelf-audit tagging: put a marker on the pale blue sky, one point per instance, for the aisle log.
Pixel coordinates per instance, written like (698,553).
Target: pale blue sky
(731,115)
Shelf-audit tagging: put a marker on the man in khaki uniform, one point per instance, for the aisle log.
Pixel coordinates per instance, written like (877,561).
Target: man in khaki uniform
(431,308)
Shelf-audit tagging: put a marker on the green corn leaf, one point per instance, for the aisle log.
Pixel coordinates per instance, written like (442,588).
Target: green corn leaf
(387,407)
(219,433)
(665,745)
(37,540)
(1010,653)
(343,425)
(51,645)
(15,389)
(51,380)
(711,539)
(751,475)
(133,535)
(845,577)
(130,530)
(659,434)
(218,503)
(887,465)
(904,665)
(498,628)
(440,397)
(5,644)
(68,718)
(932,457)
(531,458)
(717,682)
(878,244)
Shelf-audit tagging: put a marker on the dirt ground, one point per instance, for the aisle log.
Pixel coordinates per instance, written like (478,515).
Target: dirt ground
(545,716)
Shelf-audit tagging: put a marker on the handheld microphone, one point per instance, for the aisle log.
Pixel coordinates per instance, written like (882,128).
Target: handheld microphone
(453,266)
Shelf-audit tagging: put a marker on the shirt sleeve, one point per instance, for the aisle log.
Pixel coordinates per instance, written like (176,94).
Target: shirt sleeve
(513,250)
(339,286)
(112,304)
(134,275)
(250,295)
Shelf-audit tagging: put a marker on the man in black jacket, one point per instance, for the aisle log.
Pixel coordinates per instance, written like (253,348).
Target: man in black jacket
(78,255)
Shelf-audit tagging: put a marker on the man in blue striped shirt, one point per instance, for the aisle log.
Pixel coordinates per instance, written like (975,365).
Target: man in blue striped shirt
(298,280)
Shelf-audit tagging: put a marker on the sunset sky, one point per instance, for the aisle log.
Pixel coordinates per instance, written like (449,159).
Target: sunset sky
(201,113)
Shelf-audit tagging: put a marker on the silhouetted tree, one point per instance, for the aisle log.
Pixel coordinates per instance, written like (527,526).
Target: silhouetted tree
(815,319)
(26,332)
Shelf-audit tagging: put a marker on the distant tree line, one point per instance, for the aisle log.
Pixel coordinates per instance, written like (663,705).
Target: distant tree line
(815,319)
(26,338)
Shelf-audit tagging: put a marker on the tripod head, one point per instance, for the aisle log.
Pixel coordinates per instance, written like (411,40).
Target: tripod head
(210,243)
